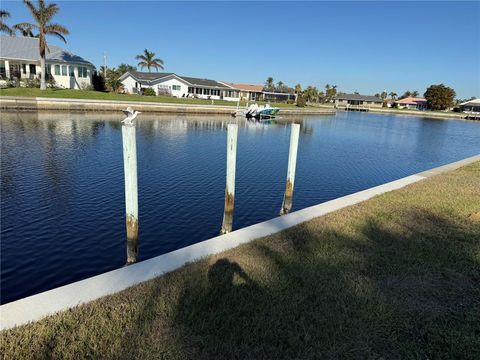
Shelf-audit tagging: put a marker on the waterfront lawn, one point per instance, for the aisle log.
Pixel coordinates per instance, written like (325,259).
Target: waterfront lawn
(99,95)
(394,277)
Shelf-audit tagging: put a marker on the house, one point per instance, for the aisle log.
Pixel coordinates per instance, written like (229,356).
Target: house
(357,100)
(278,96)
(20,60)
(471,106)
(248,92)
(135,82)
(412,103)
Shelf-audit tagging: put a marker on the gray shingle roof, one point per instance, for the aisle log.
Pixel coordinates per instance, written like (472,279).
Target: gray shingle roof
(204,82)
(357,97)
(26,48)
(148,76)
(152,76)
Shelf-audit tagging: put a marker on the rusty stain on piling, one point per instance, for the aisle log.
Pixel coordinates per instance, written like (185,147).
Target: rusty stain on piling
(132,239)
(228,213)
(287,200)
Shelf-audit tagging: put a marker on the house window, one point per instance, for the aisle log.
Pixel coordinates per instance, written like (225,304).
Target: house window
(64,70)
(207,91)
(176,87)
(82,72)
(48,70)
(72,70)
(24,68)
(33,69)
(57,69)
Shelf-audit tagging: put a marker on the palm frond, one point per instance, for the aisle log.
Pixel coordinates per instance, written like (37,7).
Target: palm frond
(50,11)
(57,34)
(4,14)
(25,29)
(56,28)
(6,29)
(33,10)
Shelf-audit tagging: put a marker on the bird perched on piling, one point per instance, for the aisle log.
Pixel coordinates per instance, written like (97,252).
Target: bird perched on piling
(131,115)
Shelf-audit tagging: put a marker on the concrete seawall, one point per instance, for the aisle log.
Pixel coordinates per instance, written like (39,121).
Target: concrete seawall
(62,298)
(426,114)
(53,104)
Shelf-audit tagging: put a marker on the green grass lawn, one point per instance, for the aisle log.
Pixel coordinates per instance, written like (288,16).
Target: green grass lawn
(395,277)
(98,95)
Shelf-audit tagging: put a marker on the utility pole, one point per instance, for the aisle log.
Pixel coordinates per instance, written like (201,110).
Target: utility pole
(104,64)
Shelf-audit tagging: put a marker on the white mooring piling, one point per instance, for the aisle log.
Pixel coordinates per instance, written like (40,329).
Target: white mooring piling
(292,162)
(232,131)
(131,190)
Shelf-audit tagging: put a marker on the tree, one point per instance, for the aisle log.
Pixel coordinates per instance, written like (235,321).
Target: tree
(269,84)
(98,81)
(42,15)
(393,95)
(123,68)
(148,60)
(383,95)
(440,97)
(25,29)
(414,93)
(311,94)
(4,27)
(330,92)
(298,89)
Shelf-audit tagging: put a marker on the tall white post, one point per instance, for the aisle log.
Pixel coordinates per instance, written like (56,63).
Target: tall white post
(232,131)
(131,190)
(292,162)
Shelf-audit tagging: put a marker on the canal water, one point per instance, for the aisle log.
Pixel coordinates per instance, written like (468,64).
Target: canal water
(62,190)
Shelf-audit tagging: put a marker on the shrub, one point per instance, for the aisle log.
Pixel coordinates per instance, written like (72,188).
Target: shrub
(51,83)
(98,82)
(301,102)
(149,92)
(86,86)
(32,83)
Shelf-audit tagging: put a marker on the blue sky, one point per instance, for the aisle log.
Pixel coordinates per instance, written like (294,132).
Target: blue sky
(359,46)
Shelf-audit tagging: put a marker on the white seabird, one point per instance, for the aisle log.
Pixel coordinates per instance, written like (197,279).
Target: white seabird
(131,115)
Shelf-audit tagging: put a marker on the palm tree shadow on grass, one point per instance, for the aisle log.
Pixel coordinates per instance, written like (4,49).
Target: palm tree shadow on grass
(390,290)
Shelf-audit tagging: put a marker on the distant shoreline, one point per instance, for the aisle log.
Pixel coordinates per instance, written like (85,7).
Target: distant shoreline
(425,113)
(27,103)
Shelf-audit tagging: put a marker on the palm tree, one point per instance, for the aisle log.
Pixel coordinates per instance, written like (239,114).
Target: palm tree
(298,89)
(269,83)
(42,15)
(25,29)
(4,27)
(148,60)
(123,68)
(280,86)
(414,93)
(393,95)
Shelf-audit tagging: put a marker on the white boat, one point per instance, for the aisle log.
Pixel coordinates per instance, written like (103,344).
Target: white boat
(260,112)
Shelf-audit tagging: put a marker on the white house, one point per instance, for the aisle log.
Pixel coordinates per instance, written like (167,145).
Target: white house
(135,82)
(20,60)
(471,106)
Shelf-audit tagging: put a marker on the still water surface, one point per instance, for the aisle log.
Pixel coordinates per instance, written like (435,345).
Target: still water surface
(62,195)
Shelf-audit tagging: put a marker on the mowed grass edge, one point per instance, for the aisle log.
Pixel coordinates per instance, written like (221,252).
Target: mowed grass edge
(393,277)
(99,95)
